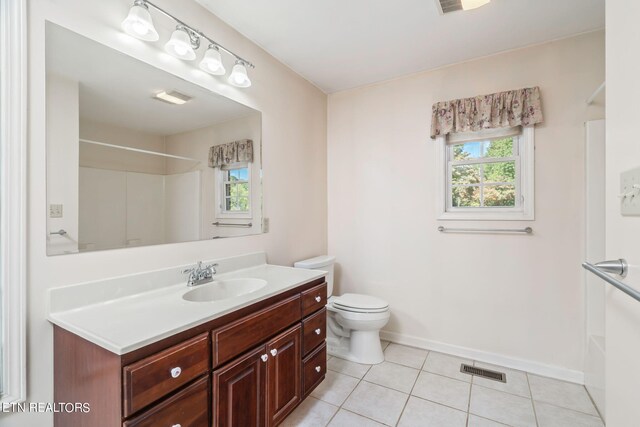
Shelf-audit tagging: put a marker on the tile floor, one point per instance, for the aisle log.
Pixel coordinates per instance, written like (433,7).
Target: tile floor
(419,388)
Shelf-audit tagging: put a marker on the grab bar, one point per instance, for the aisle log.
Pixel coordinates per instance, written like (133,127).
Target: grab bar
(608,266)
(228,224)
(527,230)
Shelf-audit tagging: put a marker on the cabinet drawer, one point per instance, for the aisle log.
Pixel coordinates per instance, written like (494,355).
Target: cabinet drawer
(314,367)
(314,329)
(314,299)
(243,334)
(155,376)
(188,408)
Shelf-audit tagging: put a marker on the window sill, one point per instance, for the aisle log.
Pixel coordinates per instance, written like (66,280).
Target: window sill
(486,216)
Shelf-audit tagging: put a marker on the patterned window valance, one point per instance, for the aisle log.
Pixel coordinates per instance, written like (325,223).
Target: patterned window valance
(499,110)
(233,152)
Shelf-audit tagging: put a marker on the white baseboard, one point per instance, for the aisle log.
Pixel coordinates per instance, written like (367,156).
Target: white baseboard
(486,357)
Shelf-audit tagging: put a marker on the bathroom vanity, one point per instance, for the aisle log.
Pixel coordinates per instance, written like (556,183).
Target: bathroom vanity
(151,356)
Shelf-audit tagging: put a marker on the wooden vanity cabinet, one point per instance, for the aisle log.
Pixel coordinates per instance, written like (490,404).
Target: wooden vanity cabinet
(251,367)
(261,387)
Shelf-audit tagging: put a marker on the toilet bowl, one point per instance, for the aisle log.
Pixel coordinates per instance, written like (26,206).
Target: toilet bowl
(353,320)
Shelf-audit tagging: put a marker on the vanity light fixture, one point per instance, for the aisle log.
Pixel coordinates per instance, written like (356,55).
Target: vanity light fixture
(185,41)
(239,77)
(172,97)
(212,61)
(473,4)
(139,24)
(182,44)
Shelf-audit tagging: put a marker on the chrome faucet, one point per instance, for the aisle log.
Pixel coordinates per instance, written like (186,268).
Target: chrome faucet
(200,275)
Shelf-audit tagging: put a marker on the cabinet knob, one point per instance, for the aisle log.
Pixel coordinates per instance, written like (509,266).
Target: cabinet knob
(274,352)
(175,372)
(318,298)
(318,369)
(177,425)
(264,357)
(317,331)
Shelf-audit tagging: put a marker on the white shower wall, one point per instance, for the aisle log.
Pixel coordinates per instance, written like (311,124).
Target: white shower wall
(118,208)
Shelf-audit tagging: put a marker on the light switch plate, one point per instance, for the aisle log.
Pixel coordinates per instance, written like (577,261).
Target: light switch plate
(55,211)
(630,192)
(265,225)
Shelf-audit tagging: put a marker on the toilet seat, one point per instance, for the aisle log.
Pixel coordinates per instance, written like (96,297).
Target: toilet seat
(358,303)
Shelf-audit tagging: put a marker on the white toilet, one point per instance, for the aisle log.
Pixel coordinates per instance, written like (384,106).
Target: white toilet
(353,320)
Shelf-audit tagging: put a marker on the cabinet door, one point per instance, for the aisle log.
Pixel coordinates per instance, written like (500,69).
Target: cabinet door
(284,381)
(239,391)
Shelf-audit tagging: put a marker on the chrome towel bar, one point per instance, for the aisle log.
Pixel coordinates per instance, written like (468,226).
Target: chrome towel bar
(228,224)
(621,271)
(527,230)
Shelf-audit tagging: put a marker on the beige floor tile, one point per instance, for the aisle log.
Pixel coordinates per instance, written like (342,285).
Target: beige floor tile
(403,355)
(444,390)
(553,416)
(384,344)
(506,408)
(346,367)
(376,402)
(394,376)
(349,419)
(428,414)
(476,421)
(449,366)
(311,413)
(335,388)
(560,393)
(516,380)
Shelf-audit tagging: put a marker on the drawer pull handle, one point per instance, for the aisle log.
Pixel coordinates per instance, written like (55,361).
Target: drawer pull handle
(175,372)
(317,331)
(318,298)
(318,369)
(274,352)
(264,357)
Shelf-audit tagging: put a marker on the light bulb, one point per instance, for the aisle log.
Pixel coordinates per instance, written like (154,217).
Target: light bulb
(239,77)
(473,4)
(212,61)
(179,45)
(139,24)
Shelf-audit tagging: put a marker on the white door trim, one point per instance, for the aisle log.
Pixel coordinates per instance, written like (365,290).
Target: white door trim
(13,195)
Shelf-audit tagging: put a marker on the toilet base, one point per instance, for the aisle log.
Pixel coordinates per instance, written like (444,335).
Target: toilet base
(361,347)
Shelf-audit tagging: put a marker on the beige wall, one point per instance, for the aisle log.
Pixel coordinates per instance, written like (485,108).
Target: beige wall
(510,296)
(62,104)
(294,139)
(623,153)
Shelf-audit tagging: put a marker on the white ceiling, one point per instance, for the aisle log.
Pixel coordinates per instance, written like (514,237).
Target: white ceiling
(341,44)
(117,89)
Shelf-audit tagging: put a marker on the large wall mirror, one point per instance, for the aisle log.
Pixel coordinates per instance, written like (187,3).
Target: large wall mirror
(137,156)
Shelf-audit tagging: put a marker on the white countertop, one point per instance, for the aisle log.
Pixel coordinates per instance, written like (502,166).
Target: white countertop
(123,321)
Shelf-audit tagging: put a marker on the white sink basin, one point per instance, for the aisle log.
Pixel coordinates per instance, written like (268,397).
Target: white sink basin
(224,289)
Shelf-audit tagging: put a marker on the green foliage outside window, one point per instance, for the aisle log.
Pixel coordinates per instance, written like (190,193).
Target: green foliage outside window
(490,184)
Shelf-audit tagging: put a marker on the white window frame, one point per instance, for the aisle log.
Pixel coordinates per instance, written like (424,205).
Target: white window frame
(524,182)
(13,190)
(221,212)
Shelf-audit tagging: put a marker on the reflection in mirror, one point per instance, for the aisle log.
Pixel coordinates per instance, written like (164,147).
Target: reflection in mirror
(137,156)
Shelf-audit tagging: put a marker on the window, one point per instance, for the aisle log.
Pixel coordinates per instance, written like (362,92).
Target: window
(488,175)
(236,190)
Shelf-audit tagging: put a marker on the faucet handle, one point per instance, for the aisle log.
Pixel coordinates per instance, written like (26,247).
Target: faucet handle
(212,268)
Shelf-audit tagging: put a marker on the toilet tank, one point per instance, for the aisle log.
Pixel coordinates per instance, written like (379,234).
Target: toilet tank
(322,262)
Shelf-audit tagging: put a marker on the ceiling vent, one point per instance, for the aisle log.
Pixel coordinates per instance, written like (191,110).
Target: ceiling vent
(448,6)
(173,97)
